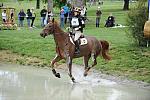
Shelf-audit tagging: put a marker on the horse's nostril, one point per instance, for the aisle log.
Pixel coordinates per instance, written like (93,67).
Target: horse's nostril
(41,34)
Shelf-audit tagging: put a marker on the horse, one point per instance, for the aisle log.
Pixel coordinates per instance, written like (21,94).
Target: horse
(65,48)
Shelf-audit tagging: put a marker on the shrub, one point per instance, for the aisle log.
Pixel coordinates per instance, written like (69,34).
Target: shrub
(136,20)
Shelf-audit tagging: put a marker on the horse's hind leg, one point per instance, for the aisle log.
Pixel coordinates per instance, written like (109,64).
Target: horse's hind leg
(56,59)
(86,60)
(94,63)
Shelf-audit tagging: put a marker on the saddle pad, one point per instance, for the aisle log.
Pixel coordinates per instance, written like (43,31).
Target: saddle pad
(83,41)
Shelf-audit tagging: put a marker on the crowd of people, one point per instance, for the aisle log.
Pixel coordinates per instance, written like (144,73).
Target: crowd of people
(30,15)
(66,14)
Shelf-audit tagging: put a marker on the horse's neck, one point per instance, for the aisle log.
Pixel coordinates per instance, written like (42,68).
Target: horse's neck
(60,37)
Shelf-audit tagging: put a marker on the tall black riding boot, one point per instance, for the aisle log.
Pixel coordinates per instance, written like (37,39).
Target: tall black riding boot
(77,49)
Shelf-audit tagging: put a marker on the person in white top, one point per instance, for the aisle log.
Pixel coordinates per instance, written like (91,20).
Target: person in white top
(83,13)
(83,10)
(4,16)
(48,17)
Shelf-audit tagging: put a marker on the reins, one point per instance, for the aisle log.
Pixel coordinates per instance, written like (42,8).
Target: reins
(65,37)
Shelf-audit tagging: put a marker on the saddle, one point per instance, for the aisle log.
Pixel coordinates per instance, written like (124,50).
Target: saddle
(82,40)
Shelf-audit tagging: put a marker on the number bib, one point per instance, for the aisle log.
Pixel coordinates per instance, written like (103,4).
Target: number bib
(74,22)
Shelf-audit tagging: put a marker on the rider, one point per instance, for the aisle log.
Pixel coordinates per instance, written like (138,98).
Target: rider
(77,25)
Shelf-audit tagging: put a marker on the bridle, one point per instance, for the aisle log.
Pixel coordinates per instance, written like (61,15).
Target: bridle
(53,28)
(50,28)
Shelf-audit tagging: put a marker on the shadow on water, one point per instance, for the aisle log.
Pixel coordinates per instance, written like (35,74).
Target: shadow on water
(30,83)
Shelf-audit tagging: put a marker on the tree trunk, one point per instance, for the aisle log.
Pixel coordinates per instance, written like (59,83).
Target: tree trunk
(37,4)
(78,3)
(126,5)
(50,5)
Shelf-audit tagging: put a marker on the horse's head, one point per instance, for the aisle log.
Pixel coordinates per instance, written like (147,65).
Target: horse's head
(48,29)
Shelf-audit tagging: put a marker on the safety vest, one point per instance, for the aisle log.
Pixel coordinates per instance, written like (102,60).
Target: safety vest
(74,22)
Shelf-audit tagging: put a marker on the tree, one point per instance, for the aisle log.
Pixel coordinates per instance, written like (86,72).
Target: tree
(37,4)
(126,5)
(136,20)
(50,5)
(44,1)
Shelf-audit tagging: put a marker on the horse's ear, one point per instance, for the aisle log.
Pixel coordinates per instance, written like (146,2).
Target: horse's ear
(53,20)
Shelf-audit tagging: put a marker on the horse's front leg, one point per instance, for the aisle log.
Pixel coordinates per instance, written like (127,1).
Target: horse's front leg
(56,59)
(69,64)
(94,63)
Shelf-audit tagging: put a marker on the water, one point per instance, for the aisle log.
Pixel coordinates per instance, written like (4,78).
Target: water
(32,83)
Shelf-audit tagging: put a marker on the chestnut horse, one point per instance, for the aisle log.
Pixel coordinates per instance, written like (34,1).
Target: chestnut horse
(65,48)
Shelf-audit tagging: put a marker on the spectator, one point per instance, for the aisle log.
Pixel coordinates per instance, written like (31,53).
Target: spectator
(21,16)
(29,17)
(4,16)
(1,5)
(43,15)
(33,17)
(12,15)
(48,17)
(66,11)
(100,2)
(71,13)
(62,18)
(110,22)
(98,16)
(83,13)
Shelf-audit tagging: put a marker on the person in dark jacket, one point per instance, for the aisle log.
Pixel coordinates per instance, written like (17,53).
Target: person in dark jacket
(29,17)
(21,16)
(110,22)
(43,15)
(12,15)
(33,17)
(98,16)
(62,18)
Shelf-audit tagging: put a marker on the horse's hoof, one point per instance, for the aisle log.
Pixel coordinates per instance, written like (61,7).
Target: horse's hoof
(73,80)
(85,74)
(57,75)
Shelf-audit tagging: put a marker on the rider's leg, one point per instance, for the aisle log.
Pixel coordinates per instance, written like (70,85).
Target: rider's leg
(77,48)
(77,36)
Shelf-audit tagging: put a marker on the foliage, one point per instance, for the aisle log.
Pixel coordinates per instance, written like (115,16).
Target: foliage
(136,20)
(59,3)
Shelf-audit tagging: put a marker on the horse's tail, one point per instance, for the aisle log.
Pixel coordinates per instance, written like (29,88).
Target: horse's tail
(105,48)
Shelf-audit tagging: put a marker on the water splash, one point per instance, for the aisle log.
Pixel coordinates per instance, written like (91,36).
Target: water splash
(92,78)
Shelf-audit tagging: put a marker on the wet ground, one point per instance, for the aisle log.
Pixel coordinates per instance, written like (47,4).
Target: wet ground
(32,83)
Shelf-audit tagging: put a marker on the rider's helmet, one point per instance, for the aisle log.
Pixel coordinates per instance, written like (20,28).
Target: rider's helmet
(77,11)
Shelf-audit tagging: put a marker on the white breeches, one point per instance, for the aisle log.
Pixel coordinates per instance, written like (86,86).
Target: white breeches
(77,35)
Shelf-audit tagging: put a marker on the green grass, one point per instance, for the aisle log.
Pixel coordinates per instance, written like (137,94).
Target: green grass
(127,58)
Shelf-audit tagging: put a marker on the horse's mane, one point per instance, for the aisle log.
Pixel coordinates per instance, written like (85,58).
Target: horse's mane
(56,24)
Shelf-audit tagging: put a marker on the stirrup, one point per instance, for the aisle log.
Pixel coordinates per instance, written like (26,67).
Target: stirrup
(77,51)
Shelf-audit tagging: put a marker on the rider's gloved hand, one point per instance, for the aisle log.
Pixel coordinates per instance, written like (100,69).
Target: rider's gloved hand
(76,29)
(68,29)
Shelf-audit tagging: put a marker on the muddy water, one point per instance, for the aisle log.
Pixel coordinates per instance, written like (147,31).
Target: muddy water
(32,83)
